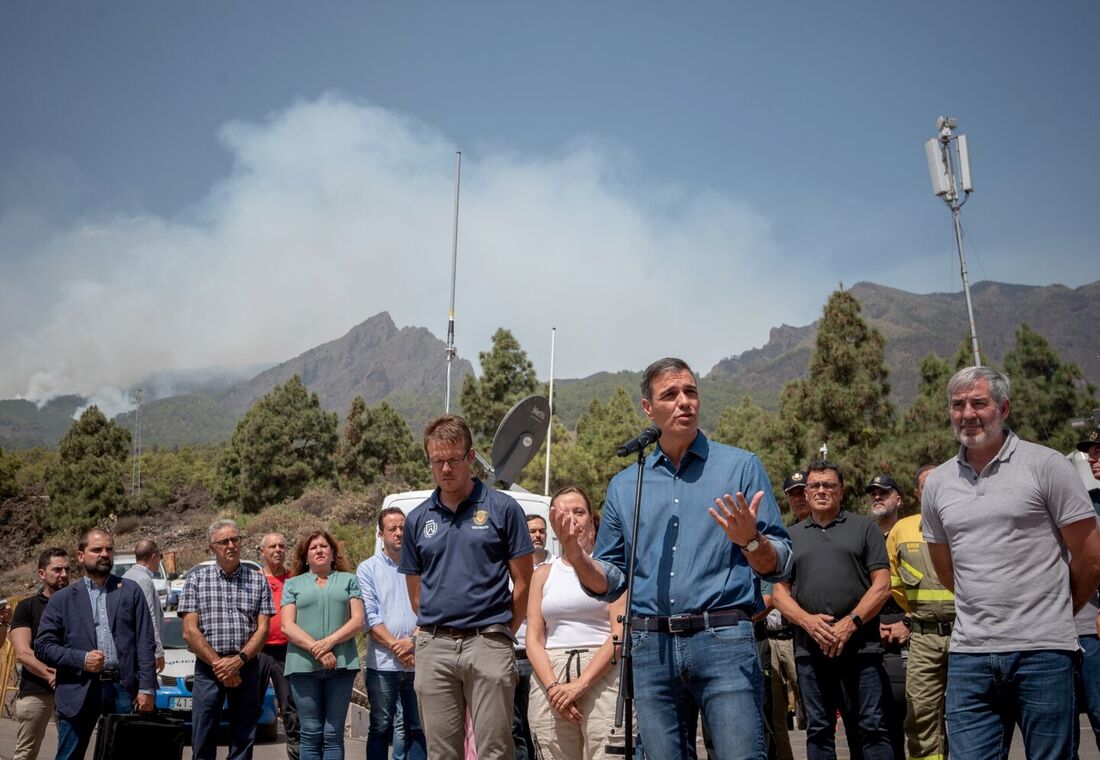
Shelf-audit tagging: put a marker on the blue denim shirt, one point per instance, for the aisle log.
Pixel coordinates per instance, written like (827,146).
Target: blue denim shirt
(685,563)
(105,639)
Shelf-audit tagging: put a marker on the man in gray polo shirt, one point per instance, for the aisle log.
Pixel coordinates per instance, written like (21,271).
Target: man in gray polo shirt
(1011,530)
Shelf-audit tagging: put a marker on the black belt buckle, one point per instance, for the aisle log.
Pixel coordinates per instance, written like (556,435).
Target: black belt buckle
(679,623)
(110,676)
(944,629)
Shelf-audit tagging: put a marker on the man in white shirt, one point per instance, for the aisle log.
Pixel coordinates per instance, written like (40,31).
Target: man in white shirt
(389,621)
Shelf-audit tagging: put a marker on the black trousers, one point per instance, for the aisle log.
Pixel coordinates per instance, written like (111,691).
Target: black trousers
(272,661)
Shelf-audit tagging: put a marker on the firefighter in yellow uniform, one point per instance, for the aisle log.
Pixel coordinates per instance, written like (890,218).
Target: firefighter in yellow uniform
(931,609)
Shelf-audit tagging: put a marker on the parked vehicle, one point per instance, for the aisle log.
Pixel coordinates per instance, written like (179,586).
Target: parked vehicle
(175,682)
(124,562)
(531,503)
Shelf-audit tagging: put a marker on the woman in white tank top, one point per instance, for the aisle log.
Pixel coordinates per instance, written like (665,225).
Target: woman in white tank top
(569,643)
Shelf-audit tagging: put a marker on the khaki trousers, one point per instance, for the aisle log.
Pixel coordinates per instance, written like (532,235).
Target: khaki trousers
(32,715)
(478,672)
(783,664)
(925,689)
(782,691)
(560,739)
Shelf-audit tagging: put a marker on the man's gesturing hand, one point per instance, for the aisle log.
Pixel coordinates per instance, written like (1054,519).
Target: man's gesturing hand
(737,517)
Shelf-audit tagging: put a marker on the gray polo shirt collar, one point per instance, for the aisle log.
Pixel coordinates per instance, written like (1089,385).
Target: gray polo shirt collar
(1008,448)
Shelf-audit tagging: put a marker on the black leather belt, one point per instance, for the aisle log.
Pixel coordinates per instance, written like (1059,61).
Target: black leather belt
(521,654)
(108,676)
(454,633)
(689,622)
(943,629)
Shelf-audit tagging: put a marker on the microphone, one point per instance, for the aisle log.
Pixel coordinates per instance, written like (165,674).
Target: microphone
(640,441)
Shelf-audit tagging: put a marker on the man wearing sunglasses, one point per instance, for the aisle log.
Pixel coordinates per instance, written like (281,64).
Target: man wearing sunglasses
(226,610)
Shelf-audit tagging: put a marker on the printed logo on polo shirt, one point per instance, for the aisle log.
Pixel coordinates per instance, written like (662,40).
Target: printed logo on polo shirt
(481,517)
(430,528)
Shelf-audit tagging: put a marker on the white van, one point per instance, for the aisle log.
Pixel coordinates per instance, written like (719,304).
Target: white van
(530,503)
(124,562)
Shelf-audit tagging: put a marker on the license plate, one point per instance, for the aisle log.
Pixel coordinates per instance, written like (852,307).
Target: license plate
(180,703)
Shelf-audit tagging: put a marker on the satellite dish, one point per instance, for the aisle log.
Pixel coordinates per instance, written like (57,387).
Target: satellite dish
(519,436)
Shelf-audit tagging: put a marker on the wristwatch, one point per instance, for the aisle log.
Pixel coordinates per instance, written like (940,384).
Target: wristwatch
(856,619)
(243,656)
(753,545)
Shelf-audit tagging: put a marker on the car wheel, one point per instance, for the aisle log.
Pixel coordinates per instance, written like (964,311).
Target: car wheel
(267,734)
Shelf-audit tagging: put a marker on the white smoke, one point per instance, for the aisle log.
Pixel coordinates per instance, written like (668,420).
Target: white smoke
(337,210)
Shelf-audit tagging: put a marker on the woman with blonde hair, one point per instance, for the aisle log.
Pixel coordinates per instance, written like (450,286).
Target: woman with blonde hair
(322,611)
(569,643)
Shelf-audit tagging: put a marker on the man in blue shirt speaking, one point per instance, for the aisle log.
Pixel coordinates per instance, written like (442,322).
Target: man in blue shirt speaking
(709,529)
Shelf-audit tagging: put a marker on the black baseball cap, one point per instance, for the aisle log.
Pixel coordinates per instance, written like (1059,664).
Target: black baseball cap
(882,481)
(1093,439)
(796,479)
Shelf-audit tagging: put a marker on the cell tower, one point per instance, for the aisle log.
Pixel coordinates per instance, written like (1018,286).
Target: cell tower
(946,184)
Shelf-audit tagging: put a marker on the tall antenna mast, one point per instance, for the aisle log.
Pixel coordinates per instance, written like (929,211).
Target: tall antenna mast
(550,422)
(454,267)
(946,184)
(135,475)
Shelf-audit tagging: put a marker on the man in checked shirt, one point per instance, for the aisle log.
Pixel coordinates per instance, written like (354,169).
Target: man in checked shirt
(226,609)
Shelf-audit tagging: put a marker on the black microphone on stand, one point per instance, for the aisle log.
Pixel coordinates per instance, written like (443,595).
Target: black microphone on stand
(640,441)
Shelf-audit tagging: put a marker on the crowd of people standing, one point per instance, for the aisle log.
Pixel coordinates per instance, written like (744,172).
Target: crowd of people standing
(928,635)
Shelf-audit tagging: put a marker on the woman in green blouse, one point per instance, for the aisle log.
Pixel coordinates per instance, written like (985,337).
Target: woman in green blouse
(322,612)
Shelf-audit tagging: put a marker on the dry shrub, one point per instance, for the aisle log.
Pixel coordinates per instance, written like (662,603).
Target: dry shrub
(317,500)
(357,508)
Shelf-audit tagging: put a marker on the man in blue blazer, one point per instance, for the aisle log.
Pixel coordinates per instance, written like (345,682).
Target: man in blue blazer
(98,634)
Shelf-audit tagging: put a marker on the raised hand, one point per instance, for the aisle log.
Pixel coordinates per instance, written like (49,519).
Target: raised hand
(737,517)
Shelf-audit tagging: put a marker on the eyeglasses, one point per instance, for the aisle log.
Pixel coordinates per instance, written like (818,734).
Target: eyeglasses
(822,486)
(234,540)
(437,464)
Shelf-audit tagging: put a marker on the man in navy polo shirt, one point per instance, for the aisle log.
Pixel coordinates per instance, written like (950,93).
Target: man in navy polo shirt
(461,548)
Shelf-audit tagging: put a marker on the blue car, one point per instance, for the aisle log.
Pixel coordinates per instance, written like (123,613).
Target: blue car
(175,681)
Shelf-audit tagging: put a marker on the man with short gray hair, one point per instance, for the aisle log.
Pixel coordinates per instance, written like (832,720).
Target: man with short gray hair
(226,609)
(1011,530)
(147,554)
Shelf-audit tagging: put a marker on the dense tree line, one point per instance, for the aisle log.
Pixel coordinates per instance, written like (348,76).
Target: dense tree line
(286,443)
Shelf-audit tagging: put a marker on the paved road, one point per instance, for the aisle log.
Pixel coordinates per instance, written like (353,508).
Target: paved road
(356,748)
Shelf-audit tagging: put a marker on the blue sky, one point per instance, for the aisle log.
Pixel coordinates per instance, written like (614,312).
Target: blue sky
(196,184)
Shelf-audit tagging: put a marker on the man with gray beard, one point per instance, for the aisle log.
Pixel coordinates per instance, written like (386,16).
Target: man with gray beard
(1011,530)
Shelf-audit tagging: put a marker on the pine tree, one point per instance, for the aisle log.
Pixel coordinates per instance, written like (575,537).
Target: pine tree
(1046,393)
(86,485)
(507,376)
(600,431)
(376,445)
(9,467)
(845,401)
(767,435)
(282,444)
(923,435)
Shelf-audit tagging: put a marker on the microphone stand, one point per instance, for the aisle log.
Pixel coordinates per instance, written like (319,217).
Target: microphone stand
(624,703)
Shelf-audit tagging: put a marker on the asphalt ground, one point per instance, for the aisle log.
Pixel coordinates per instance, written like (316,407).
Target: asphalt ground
(357,748)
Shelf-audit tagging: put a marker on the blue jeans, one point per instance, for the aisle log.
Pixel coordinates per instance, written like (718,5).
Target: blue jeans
(716,670)
(987,693)
(1088,689)
(73,734)
(322,698)
(857,686)
(209,696)
(385,690)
